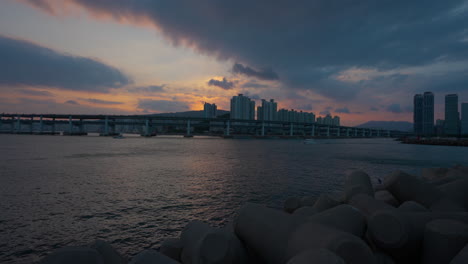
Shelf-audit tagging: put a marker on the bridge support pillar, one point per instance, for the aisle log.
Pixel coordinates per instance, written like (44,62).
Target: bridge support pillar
(53,125)
(388,133)
(363,132)
(188,134)
(106,126)
(347,132)
(70,123)
(378,133)
(328,131)
(146,134)
(355,132)
(312,132)
(338,131)
(18,123)
(228,128)
(263,129)
(31,128)
(41,126)
(291,129)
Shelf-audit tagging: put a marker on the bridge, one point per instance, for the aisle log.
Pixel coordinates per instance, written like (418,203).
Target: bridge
(151,125)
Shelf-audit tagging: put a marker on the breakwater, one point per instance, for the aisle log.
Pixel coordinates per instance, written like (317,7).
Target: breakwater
(406,219)
(436,141)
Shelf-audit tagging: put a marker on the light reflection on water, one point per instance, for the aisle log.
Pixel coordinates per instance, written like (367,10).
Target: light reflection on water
(57,191)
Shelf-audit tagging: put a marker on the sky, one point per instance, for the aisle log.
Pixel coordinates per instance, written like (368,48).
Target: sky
(359,59)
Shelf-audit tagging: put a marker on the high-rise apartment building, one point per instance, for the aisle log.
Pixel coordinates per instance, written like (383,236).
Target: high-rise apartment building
(418,114)
(423,115)
(452,116)
(428,114)
(209,110)
(268,110)
(294,116)
(242,108)
(464,119)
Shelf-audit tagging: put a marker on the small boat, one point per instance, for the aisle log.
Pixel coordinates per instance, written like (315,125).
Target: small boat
(310,141)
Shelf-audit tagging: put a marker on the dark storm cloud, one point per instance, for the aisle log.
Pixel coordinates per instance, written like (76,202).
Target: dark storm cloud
(307,42)
(265,74)
(224,84)
(148,89)
(254,85)
(72,102)
(326,112)
(25,63)
(396,108)
(149,105)
(35,92)
(98,101)
(343,110)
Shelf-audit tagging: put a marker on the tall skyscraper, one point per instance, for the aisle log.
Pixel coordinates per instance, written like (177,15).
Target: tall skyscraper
(464,119)
(428,114)
(418,114)
(209,110)
(452,116)
(268,110)
(242,108)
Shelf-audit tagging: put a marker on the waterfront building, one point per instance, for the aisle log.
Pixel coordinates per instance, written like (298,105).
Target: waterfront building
(328,120)
(423,114)
(464,119)
(428,114)
(336,121)
(209,110)
(319,120)
(242,108)
(452,116)
(439,127)
(268,110)
(295,116)
(418,114)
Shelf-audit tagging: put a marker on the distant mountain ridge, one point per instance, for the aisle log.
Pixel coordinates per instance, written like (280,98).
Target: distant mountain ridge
(388,125)
(190,113)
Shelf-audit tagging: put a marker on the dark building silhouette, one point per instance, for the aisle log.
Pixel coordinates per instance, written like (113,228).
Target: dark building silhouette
(418,114)
(423,115)
(452,116)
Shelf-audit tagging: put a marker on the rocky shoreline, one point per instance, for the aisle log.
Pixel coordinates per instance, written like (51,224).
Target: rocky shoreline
(407,219)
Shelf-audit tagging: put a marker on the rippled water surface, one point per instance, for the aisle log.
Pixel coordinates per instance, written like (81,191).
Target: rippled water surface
(134,192)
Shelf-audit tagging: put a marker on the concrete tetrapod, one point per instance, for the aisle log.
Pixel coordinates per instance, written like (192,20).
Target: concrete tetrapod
(305,211)
(412,206)
(265,231)
(74,255)
(461,257)
(316,256)
(401,233)
(443,239)
(342,217)
(406,187)
(151,256)
(314,236)
(171,247)
(457,191)
(387,197)
(357,182)
(325,202)
(291,204)
(368,205)
(108,253)
(205,244)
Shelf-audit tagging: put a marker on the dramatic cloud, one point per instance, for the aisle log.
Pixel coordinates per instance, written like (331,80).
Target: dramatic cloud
(25,63)
(35,92)
(307,43)
(72,102)
(254,85)
(343,110)
(148,89)
(394,108)
(265,74)
(98,101)
(225,84)
(162,105)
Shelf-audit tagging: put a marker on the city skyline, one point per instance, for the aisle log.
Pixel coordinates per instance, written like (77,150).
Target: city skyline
(78,56)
